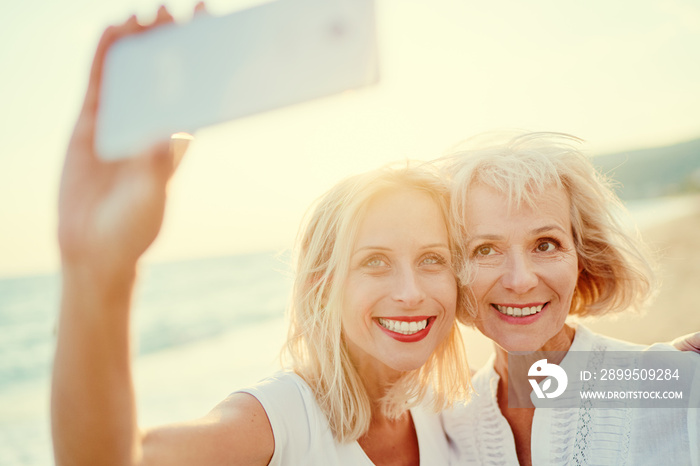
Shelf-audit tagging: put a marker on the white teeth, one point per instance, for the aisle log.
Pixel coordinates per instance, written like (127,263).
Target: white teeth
(519,311)
(403,327)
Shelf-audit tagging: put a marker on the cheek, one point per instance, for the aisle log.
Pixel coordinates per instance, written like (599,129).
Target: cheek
(360,297)
(568,276)
(445,292)
(563,281)
(354,324)
(481,284)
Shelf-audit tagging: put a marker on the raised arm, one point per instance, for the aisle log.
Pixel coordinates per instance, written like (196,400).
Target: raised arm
(109,214)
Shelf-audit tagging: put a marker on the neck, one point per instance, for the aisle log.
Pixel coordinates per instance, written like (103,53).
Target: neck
(384,431)
(376,377)
(561,342)
(377,382)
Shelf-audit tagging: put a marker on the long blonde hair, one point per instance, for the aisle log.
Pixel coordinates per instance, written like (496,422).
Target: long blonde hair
(315,343)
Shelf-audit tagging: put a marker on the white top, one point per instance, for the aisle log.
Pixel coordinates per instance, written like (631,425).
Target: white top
(479,434)
(303,437)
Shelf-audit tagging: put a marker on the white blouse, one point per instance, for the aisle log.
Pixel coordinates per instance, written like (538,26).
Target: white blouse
(303,436)
(480,434)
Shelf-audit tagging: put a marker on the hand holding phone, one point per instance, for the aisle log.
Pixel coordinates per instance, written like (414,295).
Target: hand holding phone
(179,78)
(109,213)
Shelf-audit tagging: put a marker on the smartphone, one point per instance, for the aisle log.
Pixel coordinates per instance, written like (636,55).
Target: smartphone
(179,78)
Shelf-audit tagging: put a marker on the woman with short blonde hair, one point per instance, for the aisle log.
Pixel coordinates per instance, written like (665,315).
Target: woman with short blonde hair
(543,240)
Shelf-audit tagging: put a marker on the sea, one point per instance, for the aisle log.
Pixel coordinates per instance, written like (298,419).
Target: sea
(202,328)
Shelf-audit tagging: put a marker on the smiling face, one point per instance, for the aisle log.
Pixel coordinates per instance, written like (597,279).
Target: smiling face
(526,268)
(400,293)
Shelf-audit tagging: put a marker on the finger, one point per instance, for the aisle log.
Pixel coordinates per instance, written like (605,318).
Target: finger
(84,127)
(82,139)
(200,8)
(109,37)
(163,16)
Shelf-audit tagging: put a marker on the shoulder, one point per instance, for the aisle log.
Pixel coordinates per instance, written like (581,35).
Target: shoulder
(243,410)
(241,407)
(587,340)
(295,418)
(283,395)
(645,354)
(282,382)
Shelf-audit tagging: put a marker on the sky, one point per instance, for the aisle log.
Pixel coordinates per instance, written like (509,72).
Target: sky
(621,75)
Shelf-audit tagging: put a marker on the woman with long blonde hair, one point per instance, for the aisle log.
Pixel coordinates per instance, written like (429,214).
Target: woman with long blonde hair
(374,347)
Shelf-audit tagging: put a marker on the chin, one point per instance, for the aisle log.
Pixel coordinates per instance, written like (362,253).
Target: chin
(522,349)
(407,365)
(520,344)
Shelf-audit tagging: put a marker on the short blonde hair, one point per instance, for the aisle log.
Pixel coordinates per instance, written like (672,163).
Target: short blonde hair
(315,343)
(616,268)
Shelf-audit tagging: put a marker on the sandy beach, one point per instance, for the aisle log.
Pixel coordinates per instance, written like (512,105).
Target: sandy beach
(672,313)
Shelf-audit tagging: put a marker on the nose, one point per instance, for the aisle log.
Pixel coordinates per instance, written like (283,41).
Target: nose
(519,275)
(408,288)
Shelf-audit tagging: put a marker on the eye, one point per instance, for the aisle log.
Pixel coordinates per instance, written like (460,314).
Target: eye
(547,246)
(433,259)
(483,250)
(375,261)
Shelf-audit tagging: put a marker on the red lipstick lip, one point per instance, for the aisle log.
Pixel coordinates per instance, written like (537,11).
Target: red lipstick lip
(520,320)
(418,336)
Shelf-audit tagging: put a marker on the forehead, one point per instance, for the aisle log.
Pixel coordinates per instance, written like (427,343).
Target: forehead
(486,207)
(405,214)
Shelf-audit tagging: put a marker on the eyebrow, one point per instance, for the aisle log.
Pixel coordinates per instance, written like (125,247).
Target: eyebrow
(546,228)
(536,231)
(383,248)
